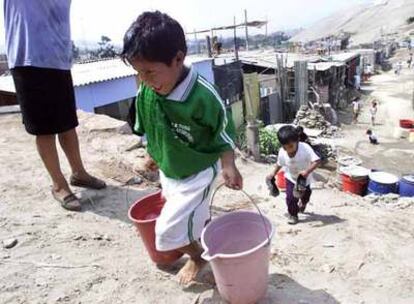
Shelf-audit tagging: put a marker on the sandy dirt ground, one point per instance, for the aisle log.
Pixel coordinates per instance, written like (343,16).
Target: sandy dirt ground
(345,250)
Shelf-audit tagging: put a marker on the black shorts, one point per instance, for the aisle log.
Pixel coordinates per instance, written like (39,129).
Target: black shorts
(46,98)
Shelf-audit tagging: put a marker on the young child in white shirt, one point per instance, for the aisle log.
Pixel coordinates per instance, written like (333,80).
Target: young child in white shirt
(373,139)
(298,161)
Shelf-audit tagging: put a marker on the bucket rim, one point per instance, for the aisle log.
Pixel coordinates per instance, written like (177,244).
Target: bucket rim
(265,243)
(408,178)
(134,220)
(378,177)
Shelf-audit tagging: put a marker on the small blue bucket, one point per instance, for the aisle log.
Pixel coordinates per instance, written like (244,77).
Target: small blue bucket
(407,186)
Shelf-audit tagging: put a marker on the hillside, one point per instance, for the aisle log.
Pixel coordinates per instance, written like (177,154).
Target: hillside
(366,22)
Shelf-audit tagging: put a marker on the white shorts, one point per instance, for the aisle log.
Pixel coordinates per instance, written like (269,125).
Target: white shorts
(186,210)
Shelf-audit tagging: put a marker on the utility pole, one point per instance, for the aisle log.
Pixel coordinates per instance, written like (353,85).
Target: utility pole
(247,32)
(209,46)
(236,51)
(301,83)
(196,41)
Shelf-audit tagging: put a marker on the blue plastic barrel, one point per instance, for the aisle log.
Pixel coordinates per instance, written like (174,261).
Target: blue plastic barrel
(407,186)
(382,183)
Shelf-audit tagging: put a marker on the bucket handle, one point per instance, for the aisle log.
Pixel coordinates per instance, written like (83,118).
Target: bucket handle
(250,199)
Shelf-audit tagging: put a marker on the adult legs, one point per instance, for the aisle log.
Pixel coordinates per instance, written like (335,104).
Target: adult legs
(46,147)
(70,144)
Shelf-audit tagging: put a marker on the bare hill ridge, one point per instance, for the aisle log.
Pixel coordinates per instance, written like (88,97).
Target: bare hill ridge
(366,22)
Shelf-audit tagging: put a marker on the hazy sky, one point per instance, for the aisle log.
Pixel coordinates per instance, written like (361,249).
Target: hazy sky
(93,18)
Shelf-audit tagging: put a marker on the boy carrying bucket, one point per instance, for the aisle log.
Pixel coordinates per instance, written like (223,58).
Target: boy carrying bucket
(188,132)
(299,161)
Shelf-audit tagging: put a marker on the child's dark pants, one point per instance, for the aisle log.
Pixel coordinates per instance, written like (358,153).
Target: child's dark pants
(292,202)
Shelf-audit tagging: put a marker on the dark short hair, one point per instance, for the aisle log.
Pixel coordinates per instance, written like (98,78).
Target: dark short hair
(287,134)
(300,129)
(154,37)
(369,132)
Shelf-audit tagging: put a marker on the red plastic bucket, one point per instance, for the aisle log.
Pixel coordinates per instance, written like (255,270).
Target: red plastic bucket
(143,213)
(406,123)
(281,180)
(355,186)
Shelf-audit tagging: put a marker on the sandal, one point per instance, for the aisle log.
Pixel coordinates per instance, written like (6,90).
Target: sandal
(69,202)
(90,183)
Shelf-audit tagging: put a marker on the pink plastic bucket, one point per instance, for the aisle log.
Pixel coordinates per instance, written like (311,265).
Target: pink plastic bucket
(144,213)
(238,247)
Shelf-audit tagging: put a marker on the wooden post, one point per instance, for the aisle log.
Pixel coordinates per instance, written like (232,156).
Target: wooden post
(301,83)
(333,87)
(236,48)
(252,138)
(314,77)
(196,41)
(247,31)
(210,54)
(279,88)
(282,85)
(285,78)
(252,128)
(280,77)
(277,74)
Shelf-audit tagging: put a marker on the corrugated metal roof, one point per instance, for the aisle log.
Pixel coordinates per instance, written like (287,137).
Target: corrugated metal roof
(189,60)
(99,71)
(105,70)
(93,72)
(268,59)
(86,73)
(344,57)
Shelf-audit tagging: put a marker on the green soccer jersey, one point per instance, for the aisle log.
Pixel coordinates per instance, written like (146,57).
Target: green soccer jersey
(188,129)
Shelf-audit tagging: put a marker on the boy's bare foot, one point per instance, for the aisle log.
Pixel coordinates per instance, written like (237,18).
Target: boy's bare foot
(188,273)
